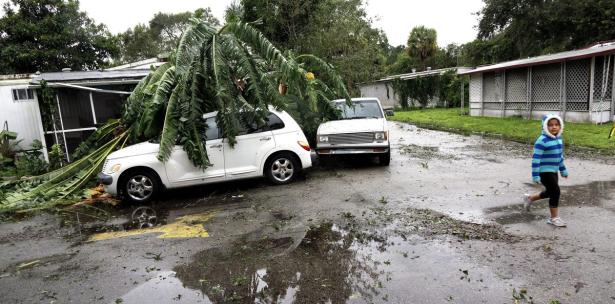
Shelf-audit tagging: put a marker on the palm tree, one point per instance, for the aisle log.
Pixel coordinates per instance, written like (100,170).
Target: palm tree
(234,70)
(422,43)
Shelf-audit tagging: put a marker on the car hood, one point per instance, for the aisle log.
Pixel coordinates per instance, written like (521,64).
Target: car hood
(353,126)
(135,150)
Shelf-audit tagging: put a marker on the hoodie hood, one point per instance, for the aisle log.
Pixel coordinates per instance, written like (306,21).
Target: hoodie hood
(545,129)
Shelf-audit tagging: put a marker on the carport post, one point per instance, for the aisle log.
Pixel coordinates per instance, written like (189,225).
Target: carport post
(463,78)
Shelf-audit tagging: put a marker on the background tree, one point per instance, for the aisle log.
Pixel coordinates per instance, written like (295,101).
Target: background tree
(510,29)
(422,44)
(160,36)
(48,35)
(338,31)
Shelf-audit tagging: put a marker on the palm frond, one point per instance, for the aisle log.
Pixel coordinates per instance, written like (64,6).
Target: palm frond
(149,124)
(168,136)
(190,44)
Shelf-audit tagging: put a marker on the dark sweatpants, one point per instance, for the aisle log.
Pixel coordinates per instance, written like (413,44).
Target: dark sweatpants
(549,180)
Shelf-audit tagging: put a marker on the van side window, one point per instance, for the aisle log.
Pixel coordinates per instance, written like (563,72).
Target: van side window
(212,132)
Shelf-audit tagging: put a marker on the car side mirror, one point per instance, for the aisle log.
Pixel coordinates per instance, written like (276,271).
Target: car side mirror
(389,112)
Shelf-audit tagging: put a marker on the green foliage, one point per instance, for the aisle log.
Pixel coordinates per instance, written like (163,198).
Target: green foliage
(422,43)
(30,162)
(8,145)
(56,157)
(47,104)
(48,35)
(58,187)
(337,31)
(517,29)
(160,36)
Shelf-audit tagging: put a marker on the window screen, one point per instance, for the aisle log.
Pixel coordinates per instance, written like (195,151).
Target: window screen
(108,106)
(74,139)
(76,109)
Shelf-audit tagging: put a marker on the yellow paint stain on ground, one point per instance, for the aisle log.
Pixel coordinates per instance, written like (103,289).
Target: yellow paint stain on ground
(188,226)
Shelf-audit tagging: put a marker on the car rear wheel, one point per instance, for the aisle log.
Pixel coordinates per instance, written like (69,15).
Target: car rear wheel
(140,186)
(282,168)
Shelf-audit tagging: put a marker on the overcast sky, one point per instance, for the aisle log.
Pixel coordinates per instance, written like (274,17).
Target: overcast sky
(454,20)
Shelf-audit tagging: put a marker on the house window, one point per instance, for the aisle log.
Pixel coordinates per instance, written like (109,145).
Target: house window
(23,95)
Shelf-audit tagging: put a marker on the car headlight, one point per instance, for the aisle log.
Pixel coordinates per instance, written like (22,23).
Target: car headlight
(323,138)
(380,136)
(114,168)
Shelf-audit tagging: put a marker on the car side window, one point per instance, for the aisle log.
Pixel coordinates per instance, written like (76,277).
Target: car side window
(274,122)
(212,132)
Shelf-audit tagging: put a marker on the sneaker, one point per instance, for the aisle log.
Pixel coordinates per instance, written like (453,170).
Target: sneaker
(556,221)
(526,202)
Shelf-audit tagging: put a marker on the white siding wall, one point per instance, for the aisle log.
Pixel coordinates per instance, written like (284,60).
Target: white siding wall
(379,90)
(23,116)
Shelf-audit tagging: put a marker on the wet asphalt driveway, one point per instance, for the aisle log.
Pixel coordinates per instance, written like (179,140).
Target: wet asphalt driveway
(442,224)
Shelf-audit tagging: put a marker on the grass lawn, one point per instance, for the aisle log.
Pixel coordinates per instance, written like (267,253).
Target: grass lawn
(513,128)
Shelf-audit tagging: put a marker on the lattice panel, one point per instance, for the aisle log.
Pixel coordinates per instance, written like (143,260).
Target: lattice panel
(489,87)
(577,81)
(546,106)
(603,67)
(516,85)
(577,106)
(516,105)
(476,87)
(546,83)
(492,105)
(601,106)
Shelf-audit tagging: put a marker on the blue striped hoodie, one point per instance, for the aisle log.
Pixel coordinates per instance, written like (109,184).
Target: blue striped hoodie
(548,151)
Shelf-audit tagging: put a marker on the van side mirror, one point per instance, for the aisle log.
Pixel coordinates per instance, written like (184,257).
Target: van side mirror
(389,112)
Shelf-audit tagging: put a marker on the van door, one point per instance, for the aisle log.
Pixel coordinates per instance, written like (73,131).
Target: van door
(181,171)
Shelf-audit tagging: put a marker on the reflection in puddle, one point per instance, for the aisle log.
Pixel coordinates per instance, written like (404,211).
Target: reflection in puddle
(322,266)
(187,226)
(595,194)
(329,263)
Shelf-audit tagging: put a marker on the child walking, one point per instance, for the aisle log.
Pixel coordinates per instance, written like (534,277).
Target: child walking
(547,161)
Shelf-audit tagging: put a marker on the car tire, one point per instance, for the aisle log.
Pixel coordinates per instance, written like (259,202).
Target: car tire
(139,186)
(385,159)
(282,168)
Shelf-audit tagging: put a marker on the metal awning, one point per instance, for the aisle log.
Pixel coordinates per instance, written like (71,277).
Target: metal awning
(597,50)
(414,75)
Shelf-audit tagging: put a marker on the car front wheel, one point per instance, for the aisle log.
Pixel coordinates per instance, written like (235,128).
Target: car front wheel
(281,169)
(140,186)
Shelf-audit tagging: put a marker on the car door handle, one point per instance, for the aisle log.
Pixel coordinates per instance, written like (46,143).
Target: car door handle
(216,146)
(265,138)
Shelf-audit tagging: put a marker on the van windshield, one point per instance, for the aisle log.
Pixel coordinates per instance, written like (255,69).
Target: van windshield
(359,109)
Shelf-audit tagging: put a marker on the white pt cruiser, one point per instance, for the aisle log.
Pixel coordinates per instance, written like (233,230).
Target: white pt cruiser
(362,129)
(277,150)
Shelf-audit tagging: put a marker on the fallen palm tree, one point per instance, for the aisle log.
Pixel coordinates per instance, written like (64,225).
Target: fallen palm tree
(234,70)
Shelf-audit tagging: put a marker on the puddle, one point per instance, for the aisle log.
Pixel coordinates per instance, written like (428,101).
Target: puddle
(595,194)
(330,263)
(187,226)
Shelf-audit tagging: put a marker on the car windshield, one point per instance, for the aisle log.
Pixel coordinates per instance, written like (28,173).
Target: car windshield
(359,109)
